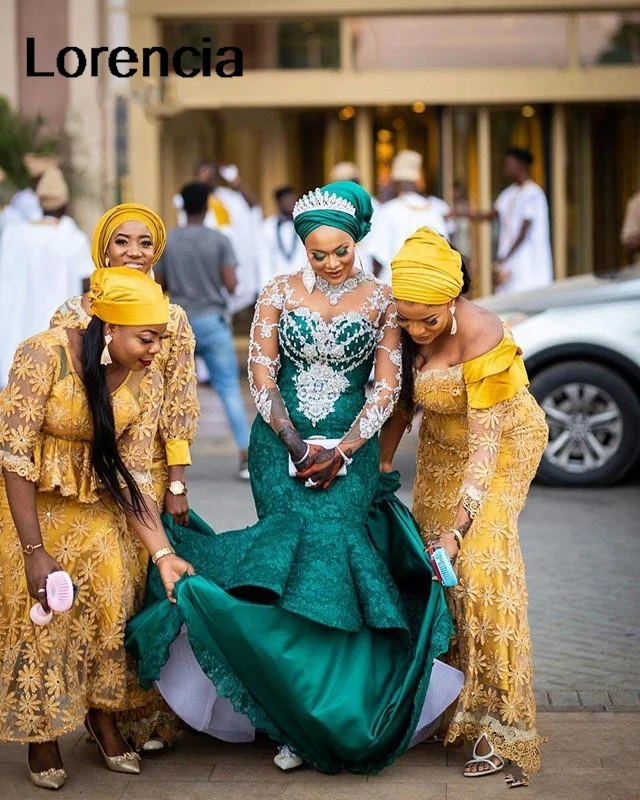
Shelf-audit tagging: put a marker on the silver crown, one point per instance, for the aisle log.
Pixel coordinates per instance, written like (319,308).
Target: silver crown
(322,201)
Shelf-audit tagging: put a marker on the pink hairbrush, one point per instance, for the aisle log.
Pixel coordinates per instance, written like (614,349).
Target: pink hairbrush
(60,597)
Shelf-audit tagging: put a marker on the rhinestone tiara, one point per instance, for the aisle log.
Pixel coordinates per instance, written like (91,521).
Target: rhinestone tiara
(323,201)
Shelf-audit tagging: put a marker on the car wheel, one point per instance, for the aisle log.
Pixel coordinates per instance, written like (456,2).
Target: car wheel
(593,416)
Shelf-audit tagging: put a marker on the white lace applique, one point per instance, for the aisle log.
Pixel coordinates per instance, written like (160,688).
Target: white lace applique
(337,347)
(318,389)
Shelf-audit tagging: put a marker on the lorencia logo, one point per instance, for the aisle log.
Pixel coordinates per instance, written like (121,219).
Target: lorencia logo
(72,62)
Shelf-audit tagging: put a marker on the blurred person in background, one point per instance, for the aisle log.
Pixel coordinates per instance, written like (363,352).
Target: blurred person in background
(234,210)
(408,211)
(42,262)
(198,268)
(348,171)
(280,251)
(630,234)
(25,206)
(524,259)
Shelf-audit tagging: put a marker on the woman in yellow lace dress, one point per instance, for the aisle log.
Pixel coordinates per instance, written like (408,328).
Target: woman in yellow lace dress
(77,423)
(131,235)
(481,439)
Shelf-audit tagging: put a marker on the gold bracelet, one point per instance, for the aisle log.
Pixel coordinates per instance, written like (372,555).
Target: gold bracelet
(164,551)
(458,535)
(29,548)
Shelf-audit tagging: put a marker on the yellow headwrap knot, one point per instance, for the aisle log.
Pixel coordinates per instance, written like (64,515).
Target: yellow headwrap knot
(124,296)
(116,216)
(426,270)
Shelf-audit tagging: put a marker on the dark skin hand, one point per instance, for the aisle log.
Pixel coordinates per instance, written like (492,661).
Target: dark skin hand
(324,469)
(178,507)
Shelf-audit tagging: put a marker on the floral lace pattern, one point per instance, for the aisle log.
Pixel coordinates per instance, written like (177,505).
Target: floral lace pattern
(49,675)
(491,455)
(180,408)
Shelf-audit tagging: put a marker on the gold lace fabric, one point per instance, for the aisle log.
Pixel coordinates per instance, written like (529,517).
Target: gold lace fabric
(180,408)
(495,451)
(49,675)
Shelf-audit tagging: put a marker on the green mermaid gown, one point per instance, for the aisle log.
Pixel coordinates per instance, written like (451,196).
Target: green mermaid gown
(321,622)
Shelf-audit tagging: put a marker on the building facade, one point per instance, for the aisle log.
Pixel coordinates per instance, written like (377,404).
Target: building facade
(84,108)
(326,80)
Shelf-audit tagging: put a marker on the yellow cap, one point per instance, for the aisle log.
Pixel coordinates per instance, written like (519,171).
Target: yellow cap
(124,296)
(116,216)
(426,270)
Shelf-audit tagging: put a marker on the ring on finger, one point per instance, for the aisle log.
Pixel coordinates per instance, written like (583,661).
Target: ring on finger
(309,483)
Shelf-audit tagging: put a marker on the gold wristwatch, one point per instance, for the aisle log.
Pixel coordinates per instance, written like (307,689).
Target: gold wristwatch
(177,488)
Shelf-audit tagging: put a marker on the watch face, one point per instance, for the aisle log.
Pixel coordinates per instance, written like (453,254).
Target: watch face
(176,487)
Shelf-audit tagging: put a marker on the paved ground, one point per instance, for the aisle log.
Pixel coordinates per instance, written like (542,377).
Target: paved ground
(589,757)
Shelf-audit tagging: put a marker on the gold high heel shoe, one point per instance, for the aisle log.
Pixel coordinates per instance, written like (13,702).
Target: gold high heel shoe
(48,778)
(128,762)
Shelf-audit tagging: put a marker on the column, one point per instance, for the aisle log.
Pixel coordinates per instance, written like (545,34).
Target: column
(9,50)
(364,148)
(446,150)
(85,118)
(559,190)
(144,130)
(331,143)
(485,281)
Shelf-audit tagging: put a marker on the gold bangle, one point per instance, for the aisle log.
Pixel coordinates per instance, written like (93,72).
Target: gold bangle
(29,548)
(458,535)
(164,551)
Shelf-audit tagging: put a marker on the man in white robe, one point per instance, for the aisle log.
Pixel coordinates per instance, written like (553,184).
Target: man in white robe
(234,211)
(280,250)
(42,264)
(348,171)
(409,210)
(24,206)
(524,260)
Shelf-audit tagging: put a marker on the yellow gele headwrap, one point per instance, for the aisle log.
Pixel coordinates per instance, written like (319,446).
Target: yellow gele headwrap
(426,270)
(124,296)
(126,212)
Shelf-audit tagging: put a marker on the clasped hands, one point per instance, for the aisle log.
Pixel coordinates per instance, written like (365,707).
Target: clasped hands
(320,467)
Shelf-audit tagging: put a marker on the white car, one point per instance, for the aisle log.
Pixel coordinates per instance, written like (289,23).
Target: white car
(581,343)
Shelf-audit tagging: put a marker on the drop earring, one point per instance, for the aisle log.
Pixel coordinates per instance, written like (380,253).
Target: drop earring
(105,358)
(107,263)
(308,277)
(454,321)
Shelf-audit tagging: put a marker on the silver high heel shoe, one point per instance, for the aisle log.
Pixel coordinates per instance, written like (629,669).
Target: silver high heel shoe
(53,778)
(48,778)
(128,762)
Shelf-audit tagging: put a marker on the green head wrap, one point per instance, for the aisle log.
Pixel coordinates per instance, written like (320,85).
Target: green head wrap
(343,204)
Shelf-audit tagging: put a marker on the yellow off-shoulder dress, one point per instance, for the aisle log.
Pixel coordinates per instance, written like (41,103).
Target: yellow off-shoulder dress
(483,434)
(177,425)
(51,675)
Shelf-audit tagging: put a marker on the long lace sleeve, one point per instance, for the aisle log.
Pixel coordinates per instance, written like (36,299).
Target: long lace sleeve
(387,381)
(136,442)
(180,407)
(485,430)
(491,381)
(23,404)
(264,356)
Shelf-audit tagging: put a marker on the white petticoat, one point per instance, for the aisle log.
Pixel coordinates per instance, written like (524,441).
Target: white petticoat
(193,697)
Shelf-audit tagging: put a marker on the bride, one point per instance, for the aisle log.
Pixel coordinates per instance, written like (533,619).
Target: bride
(320,624)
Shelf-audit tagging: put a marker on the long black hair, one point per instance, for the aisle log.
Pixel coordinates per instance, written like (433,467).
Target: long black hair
(105,457)
(410,351)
